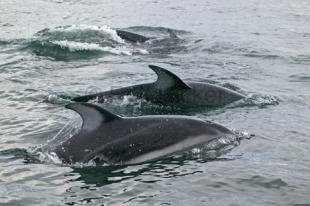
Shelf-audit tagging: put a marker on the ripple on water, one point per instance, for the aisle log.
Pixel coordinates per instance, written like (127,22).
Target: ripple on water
(232,49)
(299,78)
(300,59)
(259,181)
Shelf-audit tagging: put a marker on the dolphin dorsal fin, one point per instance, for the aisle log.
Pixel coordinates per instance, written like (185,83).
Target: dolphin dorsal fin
(168,80)
(93,116)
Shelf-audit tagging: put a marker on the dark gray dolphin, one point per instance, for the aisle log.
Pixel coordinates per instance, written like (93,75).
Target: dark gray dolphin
(133,140)
(161,45)
(170,90)
(131,37)
(137,38)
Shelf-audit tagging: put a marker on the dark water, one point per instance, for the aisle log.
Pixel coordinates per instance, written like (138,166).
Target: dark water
(56,49)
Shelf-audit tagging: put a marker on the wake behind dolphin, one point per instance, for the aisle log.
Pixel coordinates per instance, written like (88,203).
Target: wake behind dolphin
(74,42)
(171,90)
(133,140)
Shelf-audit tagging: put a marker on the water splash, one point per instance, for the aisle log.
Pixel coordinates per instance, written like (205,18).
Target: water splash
(86,33)
(73,46)
(80,42)
(219,146)
(45,152)
(257,100)
(70,129)
(57,99)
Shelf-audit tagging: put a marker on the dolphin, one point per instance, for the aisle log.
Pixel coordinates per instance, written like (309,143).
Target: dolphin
(137,38)
(170,90)
(131,37)
(132,140)
(153,45)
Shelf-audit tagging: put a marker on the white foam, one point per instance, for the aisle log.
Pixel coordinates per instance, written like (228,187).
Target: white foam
(105,29)
(129,100)
(49,157)
(141,51)
(82,46)
(54,99)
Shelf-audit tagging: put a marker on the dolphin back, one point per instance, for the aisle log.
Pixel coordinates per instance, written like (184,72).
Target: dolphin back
(132,37)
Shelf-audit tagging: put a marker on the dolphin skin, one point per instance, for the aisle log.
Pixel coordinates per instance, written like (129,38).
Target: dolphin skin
(133,140)
(137,38)
(131,37)
(170,90)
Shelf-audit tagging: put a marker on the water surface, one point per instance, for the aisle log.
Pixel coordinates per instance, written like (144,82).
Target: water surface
(55,49)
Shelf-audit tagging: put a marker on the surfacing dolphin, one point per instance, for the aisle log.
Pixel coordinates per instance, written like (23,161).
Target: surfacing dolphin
(131,37)
(171,90)
(115,139)
(137,38)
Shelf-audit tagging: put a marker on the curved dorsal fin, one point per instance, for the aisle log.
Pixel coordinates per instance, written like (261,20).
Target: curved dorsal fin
(93,116)
(168,80)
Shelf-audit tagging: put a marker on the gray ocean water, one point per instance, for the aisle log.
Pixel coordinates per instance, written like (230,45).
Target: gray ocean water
(53,50)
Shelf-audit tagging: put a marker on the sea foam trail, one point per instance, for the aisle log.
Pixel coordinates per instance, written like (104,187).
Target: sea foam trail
(80,46)
(81,32)
(80,42)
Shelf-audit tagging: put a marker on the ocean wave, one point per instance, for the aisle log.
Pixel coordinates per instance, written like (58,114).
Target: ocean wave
(303,77)
(79,46)
(73,42)
(4,42)
(84,33)
(67,50)
(80,42)
(300,59)
(229,48)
